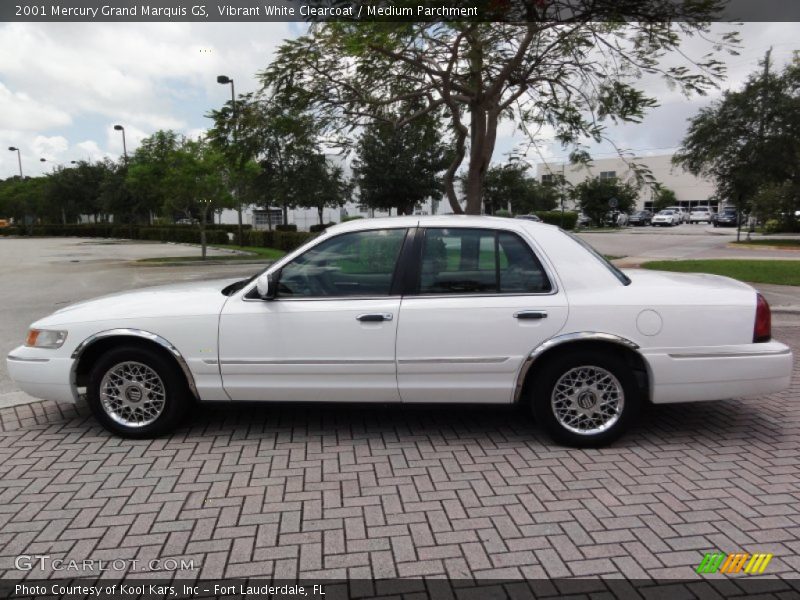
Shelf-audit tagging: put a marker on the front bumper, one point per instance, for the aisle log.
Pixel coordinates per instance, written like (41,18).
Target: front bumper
(41,374)
(718,372)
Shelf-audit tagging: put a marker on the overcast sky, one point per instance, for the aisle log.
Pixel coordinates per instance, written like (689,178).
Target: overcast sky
(64,86)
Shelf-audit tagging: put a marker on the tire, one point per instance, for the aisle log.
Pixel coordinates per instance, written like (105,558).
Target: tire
(123,392)
(572,370)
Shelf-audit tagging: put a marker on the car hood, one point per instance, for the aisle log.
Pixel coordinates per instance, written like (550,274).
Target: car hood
(182,299)
(693,286)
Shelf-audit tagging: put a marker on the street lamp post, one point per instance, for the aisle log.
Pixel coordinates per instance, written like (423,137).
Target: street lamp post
(225,80)
(124,145)
(19,158)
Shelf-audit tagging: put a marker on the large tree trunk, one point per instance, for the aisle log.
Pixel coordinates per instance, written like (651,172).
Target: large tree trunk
(319,212)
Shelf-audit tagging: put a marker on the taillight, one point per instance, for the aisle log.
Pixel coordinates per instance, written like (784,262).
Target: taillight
(762,331)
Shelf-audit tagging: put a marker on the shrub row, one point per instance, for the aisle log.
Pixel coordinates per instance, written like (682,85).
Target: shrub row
(282,240)
(182,234)
(553,217)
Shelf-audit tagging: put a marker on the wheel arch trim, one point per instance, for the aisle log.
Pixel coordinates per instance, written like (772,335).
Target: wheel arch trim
(566,338)
(81,348)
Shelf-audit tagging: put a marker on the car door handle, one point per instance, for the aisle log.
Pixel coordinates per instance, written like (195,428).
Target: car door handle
(374,317)
(530,314)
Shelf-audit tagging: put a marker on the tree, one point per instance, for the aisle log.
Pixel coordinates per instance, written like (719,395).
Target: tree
(750,139)
(573,75)
(238,134)
(510,183)
(593,196)
(195,184)
(663,197)
(148,168)
(399,167)
(323,185)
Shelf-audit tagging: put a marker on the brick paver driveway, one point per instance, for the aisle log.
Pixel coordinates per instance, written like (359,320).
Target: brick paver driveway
(407,491)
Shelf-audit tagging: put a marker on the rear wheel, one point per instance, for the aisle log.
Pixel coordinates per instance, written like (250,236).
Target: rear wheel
(585,399)
(137,392)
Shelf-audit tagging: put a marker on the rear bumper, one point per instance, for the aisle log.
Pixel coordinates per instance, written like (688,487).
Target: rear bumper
(715,373)
(41,375)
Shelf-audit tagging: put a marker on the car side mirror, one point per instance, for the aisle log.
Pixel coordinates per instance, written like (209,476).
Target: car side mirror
(267,286)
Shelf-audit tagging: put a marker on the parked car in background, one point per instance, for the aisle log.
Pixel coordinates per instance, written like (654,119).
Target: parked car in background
(4,223)
(534,218)
(683,214)
(459,310)
(666,218)
(727,217)
(641,217)
(583,220)
(701,214)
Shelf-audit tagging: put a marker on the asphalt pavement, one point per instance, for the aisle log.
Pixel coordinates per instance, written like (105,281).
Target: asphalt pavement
(41,275)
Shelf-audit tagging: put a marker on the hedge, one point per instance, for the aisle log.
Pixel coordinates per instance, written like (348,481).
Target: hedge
(553,217)
(175,233)
(282,240)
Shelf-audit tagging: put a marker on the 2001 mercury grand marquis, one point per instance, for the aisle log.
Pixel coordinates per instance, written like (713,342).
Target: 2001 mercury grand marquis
(410,309)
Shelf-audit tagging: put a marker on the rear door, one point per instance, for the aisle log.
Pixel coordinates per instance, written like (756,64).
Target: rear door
(483,300)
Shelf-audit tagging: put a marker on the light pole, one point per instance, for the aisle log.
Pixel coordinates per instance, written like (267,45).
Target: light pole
(124,145)
(19,158)
(225,80)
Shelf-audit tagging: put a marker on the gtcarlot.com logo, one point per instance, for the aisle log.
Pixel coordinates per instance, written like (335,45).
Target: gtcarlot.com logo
(738,562)
(44,562)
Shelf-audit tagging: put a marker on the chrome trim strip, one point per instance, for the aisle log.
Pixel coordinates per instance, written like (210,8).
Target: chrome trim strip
(307,362)
(780,352)
(563,339)
(32,360)
(81,348)
(476,360)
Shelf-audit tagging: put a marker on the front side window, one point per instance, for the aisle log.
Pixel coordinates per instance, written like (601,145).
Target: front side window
(479,261)
(360,263)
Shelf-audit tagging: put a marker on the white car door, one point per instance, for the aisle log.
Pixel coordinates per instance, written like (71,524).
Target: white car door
(329,335)
(483,301)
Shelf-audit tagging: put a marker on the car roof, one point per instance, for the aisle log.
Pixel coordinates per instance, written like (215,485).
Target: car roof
(438,221)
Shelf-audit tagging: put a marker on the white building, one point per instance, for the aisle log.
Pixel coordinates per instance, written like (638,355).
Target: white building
(689,190)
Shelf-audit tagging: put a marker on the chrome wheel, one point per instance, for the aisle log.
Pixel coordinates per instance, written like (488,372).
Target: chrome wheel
(132,394)
(587,400)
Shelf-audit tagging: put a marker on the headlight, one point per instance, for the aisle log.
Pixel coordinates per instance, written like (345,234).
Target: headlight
(44,338)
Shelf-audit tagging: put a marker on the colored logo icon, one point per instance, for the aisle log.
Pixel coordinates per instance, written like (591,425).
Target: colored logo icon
(740,562)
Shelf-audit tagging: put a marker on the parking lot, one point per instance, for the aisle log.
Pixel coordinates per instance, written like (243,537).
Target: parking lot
(351,491)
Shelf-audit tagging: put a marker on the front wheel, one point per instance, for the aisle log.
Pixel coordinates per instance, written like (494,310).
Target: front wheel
(585,399)
(137,392)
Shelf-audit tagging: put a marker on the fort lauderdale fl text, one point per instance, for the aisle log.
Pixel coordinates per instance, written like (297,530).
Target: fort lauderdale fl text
(266,10)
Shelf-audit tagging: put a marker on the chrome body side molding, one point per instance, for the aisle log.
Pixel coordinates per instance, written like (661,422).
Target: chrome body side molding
(136,333)
(581,336)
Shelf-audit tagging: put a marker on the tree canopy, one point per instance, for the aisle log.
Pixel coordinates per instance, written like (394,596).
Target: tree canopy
(593,196)
(569,74)
(750,141)
(399,167)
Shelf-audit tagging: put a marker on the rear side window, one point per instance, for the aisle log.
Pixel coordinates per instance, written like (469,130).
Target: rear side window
(623,279)
(479,261)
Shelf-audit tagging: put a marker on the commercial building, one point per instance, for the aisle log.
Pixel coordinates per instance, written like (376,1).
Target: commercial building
(689,190)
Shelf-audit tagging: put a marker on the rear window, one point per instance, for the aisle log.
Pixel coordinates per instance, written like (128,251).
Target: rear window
(623,279)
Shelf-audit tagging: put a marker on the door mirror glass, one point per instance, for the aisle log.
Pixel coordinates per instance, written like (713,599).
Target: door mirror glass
(265,285)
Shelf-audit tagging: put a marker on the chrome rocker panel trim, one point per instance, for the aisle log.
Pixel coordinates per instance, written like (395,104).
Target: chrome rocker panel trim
(125,332)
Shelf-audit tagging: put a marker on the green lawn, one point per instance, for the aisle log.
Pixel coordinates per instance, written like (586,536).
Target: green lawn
(789,243)
(780,272)
(256,252)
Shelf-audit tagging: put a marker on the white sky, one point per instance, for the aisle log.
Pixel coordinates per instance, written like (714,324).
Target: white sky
(63,86)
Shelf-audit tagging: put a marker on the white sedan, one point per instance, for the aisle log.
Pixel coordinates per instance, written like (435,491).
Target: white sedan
(666,217)
(415,310)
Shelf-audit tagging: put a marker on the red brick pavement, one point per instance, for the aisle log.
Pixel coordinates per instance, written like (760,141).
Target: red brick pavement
(360,492)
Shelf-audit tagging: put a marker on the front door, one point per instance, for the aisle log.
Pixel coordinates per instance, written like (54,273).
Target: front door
(483,302)
(330,333)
